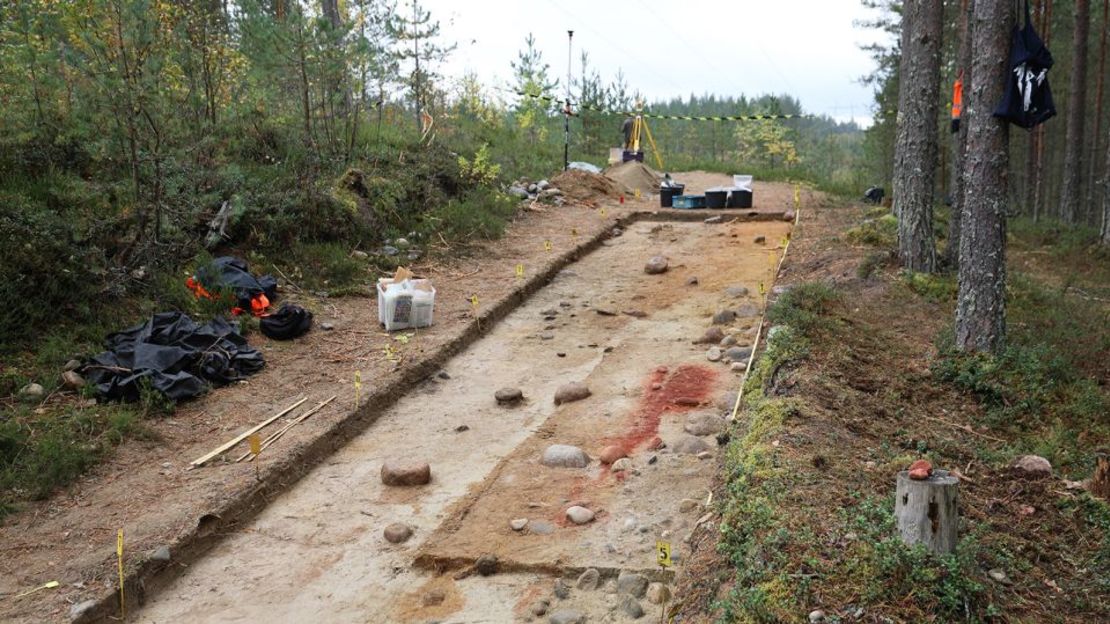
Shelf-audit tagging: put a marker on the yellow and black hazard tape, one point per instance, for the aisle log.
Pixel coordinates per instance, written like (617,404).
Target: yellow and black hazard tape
(647,115)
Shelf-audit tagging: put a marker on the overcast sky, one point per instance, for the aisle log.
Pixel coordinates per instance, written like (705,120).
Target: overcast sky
(807,48)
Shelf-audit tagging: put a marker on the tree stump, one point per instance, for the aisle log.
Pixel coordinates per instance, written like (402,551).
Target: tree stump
(927,511)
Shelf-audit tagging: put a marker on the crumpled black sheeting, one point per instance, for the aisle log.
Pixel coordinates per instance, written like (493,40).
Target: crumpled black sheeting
(180,358)
(234,274)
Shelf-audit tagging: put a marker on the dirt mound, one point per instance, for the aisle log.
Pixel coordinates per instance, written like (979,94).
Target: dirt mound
(585,185)
(636,176)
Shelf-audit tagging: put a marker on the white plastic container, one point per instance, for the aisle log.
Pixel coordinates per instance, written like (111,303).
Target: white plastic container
(405,305)
(742,181)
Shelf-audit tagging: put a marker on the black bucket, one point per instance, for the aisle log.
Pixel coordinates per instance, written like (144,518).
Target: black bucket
(716,198)
(740,198)
(668,193)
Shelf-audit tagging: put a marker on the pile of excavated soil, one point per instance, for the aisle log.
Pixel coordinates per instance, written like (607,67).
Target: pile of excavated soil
(636,176)
(585,185)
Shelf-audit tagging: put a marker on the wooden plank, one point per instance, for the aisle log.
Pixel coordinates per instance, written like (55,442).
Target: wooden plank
(274,437)
(200,461)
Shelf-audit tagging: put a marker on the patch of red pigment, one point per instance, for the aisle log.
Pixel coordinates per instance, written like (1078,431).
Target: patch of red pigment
(691,383)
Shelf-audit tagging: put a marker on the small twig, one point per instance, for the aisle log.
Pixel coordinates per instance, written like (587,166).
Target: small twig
(965,428)
(289,281)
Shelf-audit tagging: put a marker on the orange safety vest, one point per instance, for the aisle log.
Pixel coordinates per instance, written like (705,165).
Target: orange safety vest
(958,96)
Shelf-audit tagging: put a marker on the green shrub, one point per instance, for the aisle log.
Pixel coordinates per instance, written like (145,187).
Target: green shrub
(805,307)
(880,231)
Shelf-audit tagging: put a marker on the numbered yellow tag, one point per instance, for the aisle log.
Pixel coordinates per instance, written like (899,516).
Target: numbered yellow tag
(574,232)
(47,585)
(797,195)
(119,559)
(519,271)
(256,442)
(636,193)
(663,554)
(358,384)
(547,245)
(762,290)
(474,303)
(602,211)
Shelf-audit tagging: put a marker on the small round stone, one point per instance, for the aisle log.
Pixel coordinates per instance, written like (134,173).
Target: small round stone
(397,533)
(579,515)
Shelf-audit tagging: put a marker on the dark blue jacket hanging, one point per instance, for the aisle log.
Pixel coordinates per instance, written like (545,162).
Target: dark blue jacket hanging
(1027,101)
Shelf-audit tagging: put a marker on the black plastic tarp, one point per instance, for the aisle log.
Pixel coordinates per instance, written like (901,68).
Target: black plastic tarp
(179,357)
(234,274)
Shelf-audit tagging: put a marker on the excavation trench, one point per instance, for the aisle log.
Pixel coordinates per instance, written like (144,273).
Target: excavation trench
(317,553)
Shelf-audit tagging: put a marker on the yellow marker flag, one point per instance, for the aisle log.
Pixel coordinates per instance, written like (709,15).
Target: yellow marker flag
(474,302)
(574,232)
(119,559)
(797,196)
(663,554)
(601,211)
(256,444)
(762,291)
(520,271)
(358,388)
(636,193)
(547,245)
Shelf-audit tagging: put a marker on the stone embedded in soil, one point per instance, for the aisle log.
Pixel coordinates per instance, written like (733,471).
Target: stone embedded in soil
(713,354)
(658,593)
(692,281)
(402,472)
(687,505)
(999,576)
(433,598)
(32,391)
(703,424)
(632,608)
(506,396)
(712,220)
(739,367)
(567,616)
(920,470)
(704,455)
(689,445)
(737,291)
(656,265)
(727,401)
(611,453)
(656,444)
(72,381)
(1031,467)
(79,610)
(579,515)
(621,465)
(713,335)
(724,317)
(728,341)
(687,401)
(72,365)
(486,565)
(573,391)
(605,311)
(518,524)
(817,615)
(760,240)
(561,589)
(539,607)
(747,310)
(632,584)
(540,527)
(588,580)
(565,456)
(326,326)
(547,336)
(397,533)
(635,313)
(738,354)
(788,215)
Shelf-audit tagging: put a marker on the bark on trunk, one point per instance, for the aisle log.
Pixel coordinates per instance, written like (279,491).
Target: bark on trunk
(1039,186)
(1106,199)
(959,144)
(1077,104)
(919,92)
(981,306)
(1096,136)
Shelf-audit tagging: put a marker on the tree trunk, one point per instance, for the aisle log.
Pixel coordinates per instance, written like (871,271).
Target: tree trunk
(981,306)
(897,179)
(1096,136)
(1105,238)
(1039,132)
(1077,104)
(916,149)
(959,143)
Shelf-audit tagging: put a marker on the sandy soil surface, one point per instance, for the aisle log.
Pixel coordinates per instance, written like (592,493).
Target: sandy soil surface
(145,489)
(318,549)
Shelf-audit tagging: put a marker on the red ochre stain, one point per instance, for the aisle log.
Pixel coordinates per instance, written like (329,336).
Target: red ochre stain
(689,381)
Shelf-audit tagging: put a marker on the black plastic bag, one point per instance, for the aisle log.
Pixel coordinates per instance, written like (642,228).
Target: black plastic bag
(289,322)
(1027,101)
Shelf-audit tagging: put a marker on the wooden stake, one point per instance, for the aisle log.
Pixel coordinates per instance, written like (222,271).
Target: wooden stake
(1100,481)
(274,437)
(200,461)
(927,511)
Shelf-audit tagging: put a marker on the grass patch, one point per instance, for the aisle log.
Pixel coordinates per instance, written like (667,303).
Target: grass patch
(934,287)
(875,231)
(805,307)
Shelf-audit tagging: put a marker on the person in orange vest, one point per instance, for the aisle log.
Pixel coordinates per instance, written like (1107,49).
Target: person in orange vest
(957,101)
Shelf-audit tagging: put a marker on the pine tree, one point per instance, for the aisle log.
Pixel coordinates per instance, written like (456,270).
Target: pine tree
(981,304)
(414,35)
(530,78)
(916,148)
(1077,104)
